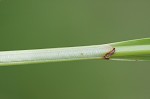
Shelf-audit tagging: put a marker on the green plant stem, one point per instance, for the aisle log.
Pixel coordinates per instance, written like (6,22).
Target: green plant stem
(140,52)
(132,50)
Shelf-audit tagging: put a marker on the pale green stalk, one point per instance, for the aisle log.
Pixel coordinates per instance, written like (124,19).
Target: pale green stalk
(54,54)
(127,50)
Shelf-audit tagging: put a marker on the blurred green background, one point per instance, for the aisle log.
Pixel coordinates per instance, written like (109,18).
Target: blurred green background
(31,24)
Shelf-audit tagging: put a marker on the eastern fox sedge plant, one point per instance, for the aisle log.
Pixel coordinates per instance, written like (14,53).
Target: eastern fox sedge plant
(131,50)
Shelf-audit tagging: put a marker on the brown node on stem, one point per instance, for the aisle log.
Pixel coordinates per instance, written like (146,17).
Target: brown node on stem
(109,54)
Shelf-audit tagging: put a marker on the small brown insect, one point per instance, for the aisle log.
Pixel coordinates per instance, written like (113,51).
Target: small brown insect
(109,54)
